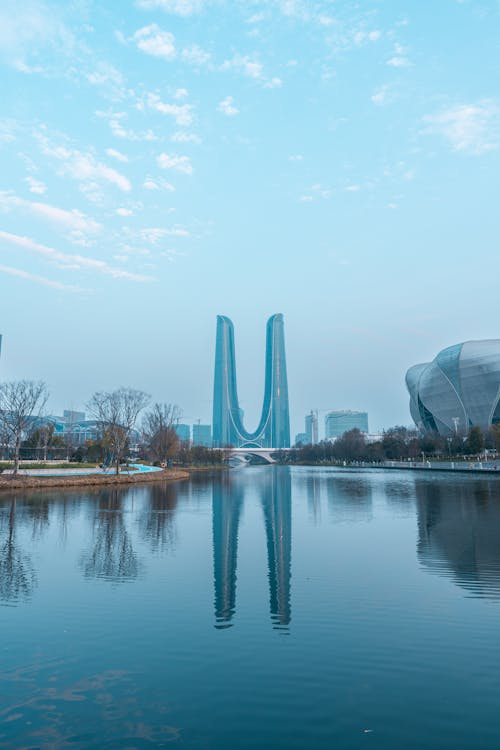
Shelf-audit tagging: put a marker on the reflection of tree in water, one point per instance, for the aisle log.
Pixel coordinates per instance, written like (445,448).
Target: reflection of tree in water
(459,532)
(112,555)
(157,521)
(17,575)
(35,511)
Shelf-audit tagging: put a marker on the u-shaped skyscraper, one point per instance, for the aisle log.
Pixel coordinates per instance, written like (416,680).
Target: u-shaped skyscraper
(273,430)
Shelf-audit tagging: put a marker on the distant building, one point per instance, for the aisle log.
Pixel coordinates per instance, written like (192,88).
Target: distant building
(338,422)
(70,417)
(301,438)
(202,435)
(312,428)
(183,432)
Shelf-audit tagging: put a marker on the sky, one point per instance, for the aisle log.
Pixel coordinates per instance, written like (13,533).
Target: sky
(165,161)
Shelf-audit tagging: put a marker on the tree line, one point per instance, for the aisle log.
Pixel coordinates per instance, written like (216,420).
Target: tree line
(396,443)
(119,416)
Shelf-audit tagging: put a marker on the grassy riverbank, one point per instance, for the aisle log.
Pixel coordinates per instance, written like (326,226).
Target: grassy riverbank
(90,480)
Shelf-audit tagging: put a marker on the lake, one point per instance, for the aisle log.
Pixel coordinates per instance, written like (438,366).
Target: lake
(267,607)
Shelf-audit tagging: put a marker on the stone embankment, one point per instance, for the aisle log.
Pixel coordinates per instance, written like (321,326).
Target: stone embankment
(9,482)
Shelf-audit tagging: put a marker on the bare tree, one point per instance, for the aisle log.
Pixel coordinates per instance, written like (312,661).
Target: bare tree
(19,401)
(159,431)
(117,413)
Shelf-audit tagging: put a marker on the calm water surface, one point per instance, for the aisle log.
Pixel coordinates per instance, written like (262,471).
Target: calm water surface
(264,607)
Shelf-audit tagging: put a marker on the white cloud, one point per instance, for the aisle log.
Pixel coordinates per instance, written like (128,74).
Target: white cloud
(195,55)
(381,95)
(227,107)
(182,113)
(153,235)
(124,212)
(176,7)
(116,155)
(366,36)
(154,41)
(38,279)
(183,137)
(115,121)
(70,262)
(245,64)
(78,224)
(180,93)
(34,29)
(107,76)
(326,20)
(352,188)
(84,167)
(471,128)
(306,198)
(36,186)
(273,83)
(157,184)
(251,68)
(296,157)
(178,163)
(256,18)
(399,62)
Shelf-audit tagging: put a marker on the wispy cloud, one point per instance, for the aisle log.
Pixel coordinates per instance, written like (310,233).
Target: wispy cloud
(398,62)
(227,107)
(38,279)
(382,95)
(252,68)
(116,155)
(470,128)
(36,186)
(183,137)
(157,183)
(116,122)
(196,56)
(182,113)
(78,224)
(176,7)
(83,166)
(175,162)
(70,261)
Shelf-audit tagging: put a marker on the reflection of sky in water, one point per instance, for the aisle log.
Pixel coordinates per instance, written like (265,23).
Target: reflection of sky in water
(108,601)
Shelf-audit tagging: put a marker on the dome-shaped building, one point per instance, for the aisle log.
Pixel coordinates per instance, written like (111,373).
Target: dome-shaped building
(459,389)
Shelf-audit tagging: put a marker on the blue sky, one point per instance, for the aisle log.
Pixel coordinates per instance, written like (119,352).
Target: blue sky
(164,161)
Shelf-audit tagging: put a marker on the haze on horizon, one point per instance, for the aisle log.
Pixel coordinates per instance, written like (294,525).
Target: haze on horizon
(166,161)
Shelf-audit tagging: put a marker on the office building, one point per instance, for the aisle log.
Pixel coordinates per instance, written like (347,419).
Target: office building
(338,422)
(312,428)
(183,432)
(301,438)
(202,435)
(273,430)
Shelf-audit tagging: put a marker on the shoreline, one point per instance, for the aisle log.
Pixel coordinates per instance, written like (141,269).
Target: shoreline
(90,480)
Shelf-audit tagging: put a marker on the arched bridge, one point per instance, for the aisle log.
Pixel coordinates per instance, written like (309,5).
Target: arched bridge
(243,454)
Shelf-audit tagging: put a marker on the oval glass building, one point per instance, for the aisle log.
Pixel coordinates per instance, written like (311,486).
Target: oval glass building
(459,389)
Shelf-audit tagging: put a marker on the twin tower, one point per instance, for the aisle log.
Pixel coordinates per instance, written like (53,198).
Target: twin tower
(273,430)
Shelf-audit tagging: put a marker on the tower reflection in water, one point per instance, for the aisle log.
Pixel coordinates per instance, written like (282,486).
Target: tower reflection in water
(227,504)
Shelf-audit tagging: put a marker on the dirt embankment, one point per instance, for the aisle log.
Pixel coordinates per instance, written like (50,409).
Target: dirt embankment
(90,480)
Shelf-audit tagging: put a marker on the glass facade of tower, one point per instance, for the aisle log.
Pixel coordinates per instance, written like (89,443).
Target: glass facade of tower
(273,430)
(338,422)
